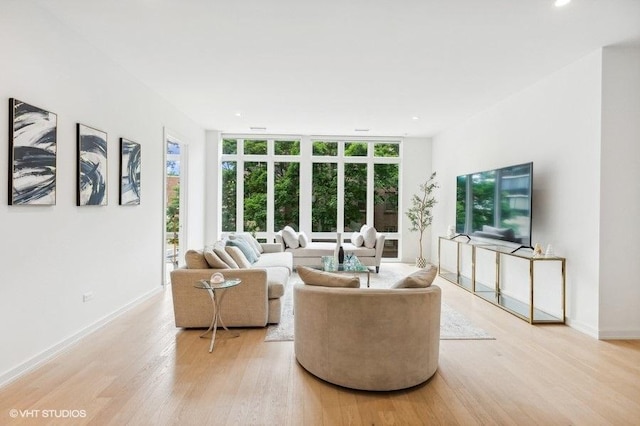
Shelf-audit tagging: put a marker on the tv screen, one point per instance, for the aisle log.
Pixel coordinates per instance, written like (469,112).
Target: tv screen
(496,204)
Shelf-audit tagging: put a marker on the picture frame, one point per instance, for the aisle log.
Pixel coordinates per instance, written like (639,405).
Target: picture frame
(92,166)
(32,154)
(130,167)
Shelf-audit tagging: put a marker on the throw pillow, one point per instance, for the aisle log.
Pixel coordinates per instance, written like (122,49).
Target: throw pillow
(249,239)
(303,240)
(420,279)
(290,237)
(369,236)
(214,261)
(246,249)
(357,239)
(195,260)
(312,276)
(279,240)
(219,249)
(238,256)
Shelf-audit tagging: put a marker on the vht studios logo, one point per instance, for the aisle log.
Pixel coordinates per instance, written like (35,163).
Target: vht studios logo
(51,414)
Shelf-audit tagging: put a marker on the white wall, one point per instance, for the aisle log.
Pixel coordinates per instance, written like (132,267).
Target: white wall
(556,124)
(50,256)
(620,195)
(416,168)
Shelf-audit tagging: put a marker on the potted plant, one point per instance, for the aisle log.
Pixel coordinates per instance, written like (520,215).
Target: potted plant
(420,213)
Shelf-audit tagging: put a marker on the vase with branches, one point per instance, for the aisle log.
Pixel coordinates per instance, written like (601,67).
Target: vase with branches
(420,214)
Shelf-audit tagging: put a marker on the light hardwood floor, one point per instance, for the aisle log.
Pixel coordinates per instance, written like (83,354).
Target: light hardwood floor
(141,370)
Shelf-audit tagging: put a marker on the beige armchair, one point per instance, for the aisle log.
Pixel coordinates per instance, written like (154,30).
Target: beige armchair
(369,339)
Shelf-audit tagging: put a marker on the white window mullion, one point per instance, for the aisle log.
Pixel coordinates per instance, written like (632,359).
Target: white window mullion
(370,190)
(306,185)
(340,189)
(240,187)
(271,191)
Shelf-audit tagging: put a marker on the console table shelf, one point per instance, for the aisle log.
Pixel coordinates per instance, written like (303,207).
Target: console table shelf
(531,288)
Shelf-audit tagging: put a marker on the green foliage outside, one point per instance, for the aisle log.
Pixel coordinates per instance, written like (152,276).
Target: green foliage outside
(173,222)
(324,186)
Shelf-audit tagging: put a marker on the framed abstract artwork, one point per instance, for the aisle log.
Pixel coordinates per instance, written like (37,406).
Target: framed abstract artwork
(32,154)
(92,166)
(130,164)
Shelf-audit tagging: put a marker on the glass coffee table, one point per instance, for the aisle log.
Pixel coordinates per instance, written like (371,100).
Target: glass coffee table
(216,294)
(351,265)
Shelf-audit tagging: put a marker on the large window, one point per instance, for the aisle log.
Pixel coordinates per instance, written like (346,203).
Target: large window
(318,186)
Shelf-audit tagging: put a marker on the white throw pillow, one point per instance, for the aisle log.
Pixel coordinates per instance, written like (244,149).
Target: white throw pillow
(303,240)
(357,239)
(290,237)
(369,235)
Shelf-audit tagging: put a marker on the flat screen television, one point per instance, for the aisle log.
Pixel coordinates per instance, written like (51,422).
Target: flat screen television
(496,204)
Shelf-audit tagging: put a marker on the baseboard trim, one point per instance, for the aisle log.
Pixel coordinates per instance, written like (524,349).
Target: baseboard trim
(619,334)
(55,350)
(582,327)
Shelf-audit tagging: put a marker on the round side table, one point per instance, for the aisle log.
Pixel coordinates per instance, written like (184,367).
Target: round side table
(216,294)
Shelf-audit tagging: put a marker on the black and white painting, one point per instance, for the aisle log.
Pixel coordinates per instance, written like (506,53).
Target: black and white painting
(92,166)
(32,154)
(130,163)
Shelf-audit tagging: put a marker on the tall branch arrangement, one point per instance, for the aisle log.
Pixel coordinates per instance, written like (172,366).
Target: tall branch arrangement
(420,213)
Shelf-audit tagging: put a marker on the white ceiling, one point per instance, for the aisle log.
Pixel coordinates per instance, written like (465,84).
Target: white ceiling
(328,67)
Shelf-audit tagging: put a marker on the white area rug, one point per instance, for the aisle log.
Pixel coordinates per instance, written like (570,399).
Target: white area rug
(453,325)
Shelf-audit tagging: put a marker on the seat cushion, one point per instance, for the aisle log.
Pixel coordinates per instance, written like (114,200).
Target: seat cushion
(281,258)
(314,249)
(359,251)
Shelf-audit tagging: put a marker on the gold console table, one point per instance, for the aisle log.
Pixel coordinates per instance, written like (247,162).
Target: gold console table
(530,287)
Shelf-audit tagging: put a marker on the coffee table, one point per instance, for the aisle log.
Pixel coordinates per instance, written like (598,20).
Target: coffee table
(216,294)
(351,265)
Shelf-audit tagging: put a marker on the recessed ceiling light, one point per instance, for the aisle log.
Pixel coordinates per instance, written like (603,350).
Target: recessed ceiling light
(560,3)
(415,117)
(238,114)
(361,130)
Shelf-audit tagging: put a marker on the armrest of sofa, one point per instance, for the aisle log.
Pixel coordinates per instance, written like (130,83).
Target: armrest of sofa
(244,305)
(272,247)
(379,247)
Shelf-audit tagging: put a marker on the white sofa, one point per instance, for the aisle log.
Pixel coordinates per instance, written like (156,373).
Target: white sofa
(311,254)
